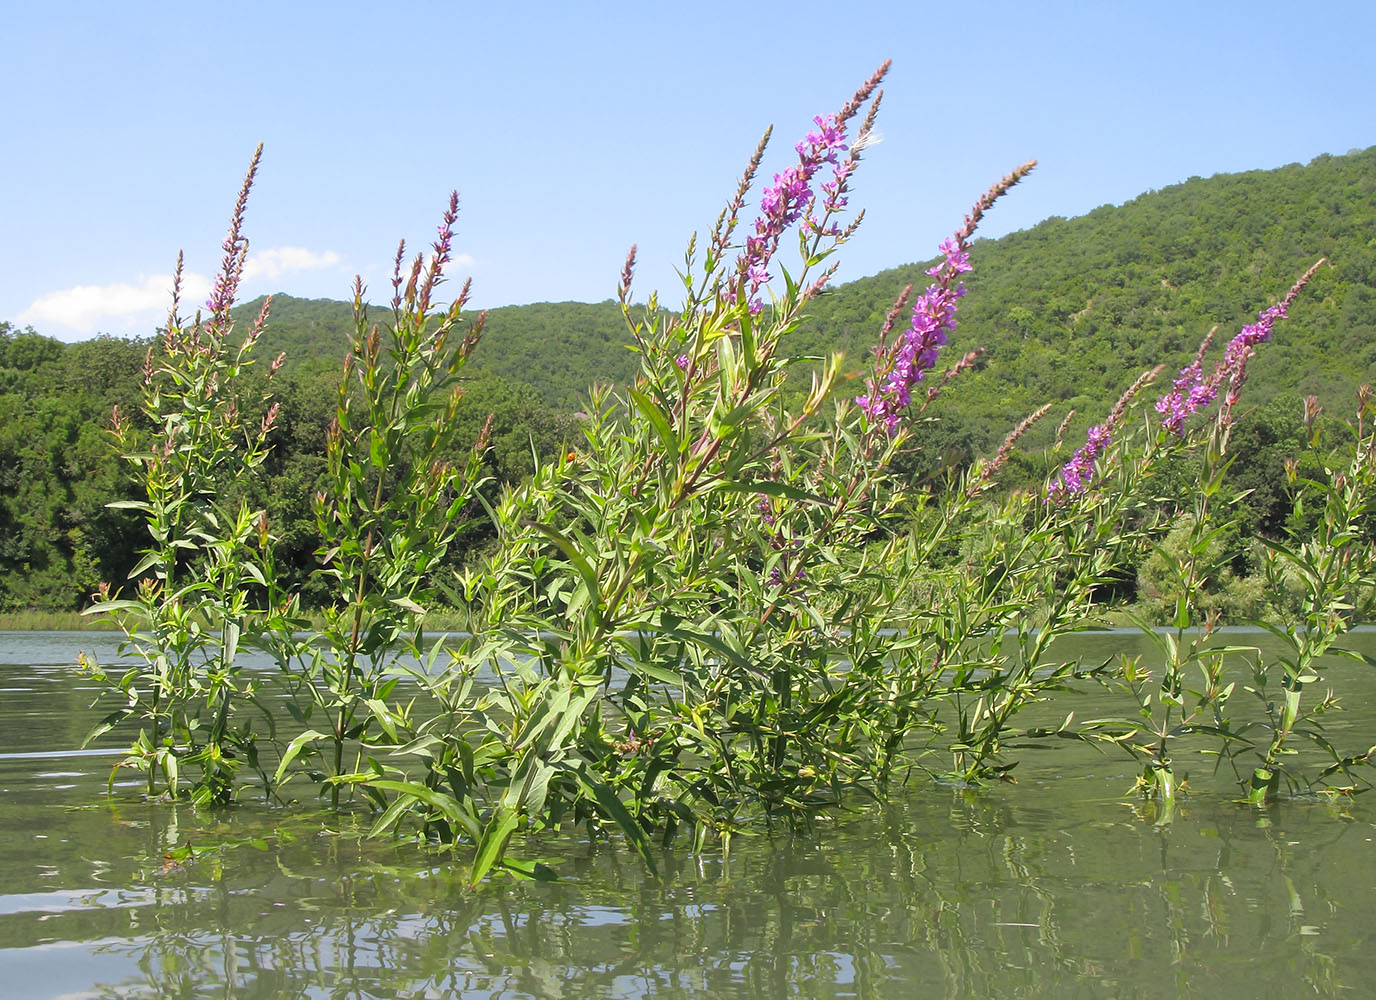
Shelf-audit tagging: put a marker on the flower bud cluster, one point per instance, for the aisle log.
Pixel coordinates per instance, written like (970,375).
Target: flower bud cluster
(933,321)
(786,571)
(1192,392)
(784,202)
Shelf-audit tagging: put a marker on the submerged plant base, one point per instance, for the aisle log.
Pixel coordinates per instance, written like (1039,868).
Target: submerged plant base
(1034,889)
(1262,787)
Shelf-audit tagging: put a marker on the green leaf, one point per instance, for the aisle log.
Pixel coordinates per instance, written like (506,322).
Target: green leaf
(579,563)
(407,604)
(570,714)
(102,607)
(658,673)
(726,360)
(148,560)
(492,843)
(390,816)
(651,411)
(773,489)
(790,286)
(451,808)
(294,748)
(421,746)
(613,807)
(383,715)
(537,871)
(105,725)
(1182,612)
(713,643)
(1353,654)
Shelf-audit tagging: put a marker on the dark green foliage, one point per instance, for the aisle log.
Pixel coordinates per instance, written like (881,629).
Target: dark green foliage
(559,349)
(556,348)
(1068,311)
(57,468)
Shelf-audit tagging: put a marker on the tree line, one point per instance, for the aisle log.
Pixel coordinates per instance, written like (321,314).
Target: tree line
(1066,312)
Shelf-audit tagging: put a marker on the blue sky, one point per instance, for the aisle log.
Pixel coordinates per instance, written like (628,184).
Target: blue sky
(572,130)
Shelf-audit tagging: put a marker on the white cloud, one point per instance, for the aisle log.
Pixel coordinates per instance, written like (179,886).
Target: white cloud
(87,309)
(277,261)
(139,307)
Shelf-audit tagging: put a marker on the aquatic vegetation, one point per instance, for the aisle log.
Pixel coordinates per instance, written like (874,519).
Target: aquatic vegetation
(194,600)
(722,605)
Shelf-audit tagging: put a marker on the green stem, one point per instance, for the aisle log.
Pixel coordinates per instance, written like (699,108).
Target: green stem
(1266,776)
(1262,785)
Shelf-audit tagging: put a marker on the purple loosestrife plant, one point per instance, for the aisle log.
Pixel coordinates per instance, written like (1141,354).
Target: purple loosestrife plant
(901,366)
(1076,475)
(395,497)
(933,321)
(200,581)
(1191,392)
(723,603)
(791,196)
(784,202)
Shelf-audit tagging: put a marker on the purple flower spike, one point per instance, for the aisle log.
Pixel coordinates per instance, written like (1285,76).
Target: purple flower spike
(933,321)
(783,202)
(1077,474)
(766,510)
(898,368)
(1191,392)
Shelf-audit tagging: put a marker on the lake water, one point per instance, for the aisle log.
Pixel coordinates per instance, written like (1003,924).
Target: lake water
(1056,886)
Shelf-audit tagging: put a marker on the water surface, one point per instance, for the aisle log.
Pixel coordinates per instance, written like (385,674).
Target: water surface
(1057,885)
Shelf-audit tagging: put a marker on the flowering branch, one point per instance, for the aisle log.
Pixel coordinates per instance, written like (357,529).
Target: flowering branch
(790,196)
(1076,474)
(1191,392)
(900,368)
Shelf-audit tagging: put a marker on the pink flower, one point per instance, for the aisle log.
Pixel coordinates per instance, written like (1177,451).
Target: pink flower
(783,202)
(1191,392)
(933,320)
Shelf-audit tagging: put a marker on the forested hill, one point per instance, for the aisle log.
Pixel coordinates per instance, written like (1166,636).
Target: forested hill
(558,348)
(1073,309)
(1068,311)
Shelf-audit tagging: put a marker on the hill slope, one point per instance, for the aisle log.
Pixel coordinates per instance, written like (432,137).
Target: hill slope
(1074,309)
(1071,309)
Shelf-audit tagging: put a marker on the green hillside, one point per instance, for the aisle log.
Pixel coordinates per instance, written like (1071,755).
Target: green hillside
(1068,311)
(1073,309)
(559,348)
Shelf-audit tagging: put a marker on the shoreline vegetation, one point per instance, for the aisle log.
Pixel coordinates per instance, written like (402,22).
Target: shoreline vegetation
(75,621)
(440,624)
(455,621)
(732,595)
(1067,311)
